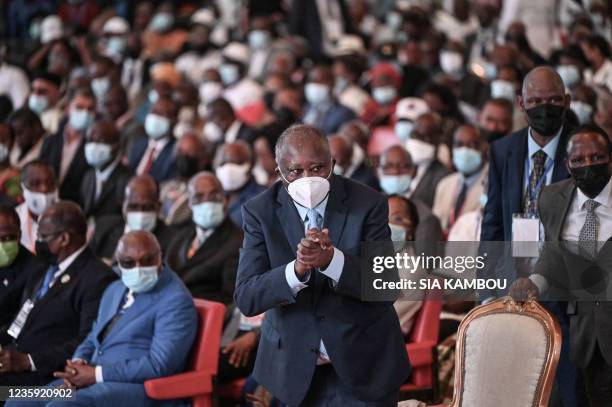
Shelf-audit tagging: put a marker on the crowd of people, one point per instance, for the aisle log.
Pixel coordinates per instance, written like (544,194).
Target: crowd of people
(152,152)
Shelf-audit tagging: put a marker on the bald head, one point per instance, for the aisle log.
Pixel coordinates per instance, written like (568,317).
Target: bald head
(341,147)
(396,160)
(63,228)
(138,248)
(303,151)
(205,187)
(237,152)
(141,195)
(542,78)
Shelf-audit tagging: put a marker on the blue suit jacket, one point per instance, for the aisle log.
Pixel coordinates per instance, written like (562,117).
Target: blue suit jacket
(153,337)
(251,189)
(334,118)
(506,167)
(363,339)
(163,167)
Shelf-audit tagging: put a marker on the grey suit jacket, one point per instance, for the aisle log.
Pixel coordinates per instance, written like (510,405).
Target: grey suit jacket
(426,189)
(565,270)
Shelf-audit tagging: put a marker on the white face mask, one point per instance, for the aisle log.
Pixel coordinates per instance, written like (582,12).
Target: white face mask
(37,202)
(260,174)
(584,111)
(212,132)
(4,152)
(316,93)
(181,129)
(98,154)
(141,221)
(570,74)
(259,39)
(384,95)
(100,86)
(451,62)
(233,176)
(81,119)
(38,103)
(156,126)
(308,191)
(420,151)
(116,45)
(210,91)
(503,89)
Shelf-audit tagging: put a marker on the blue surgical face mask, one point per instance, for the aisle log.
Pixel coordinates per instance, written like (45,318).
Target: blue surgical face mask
(503,89)
(466,160)
(259,39)
(570,74)
(156,126)
(153,96)
(403,129)
(316,93)
(483,199)
(81,119)
(584,111)
(229,74)
(395,184)
(384,95)
(398,233)
(38,103)
(490,70)
(116,45)
(161,22)
(208,215)
(98,154)
(100,86)
(140,279)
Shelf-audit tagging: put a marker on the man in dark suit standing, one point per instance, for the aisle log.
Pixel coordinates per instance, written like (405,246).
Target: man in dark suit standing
(154,154)
(580,210)
(319,340)
(205,252)
(104,184)
(322,110)
(535,153)
(54,313)
(64,151)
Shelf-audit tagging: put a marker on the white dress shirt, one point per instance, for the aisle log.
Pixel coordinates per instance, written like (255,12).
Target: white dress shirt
(333,271)
(603,76)
(14,83)
(28,226)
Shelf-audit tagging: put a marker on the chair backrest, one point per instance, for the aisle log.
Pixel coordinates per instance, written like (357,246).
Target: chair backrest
(507,355)
(205,356)
(427,323)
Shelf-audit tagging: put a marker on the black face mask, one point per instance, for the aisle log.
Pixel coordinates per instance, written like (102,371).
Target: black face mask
(284,115)
(492,136)
(546,118)
(591,179)
(269,99)
(186,166)
(44,254)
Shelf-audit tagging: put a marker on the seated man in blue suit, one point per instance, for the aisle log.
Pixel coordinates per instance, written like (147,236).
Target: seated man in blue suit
(321,344)
(154,154)
(322,110)
(145,327)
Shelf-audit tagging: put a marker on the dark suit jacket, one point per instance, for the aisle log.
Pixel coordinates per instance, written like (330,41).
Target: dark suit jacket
(426,190)
(304,21)
(429,231)
(363,339)
(506,166)
(333,118)
(14,276)
(211,272)
(63,317)
(565,269)
(111,197)
(251,189)
(110,228)
(51,153)
(245,133)
(366,175)
(163,167)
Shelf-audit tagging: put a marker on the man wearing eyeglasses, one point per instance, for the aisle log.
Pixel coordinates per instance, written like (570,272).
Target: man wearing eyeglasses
(55,311)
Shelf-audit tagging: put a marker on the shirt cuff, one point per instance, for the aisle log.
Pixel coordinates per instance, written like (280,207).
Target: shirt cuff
(294,282)
(32,365)
(334,270)
(99,377)
(540,282)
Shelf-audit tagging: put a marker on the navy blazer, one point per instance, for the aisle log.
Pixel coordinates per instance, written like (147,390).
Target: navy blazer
(506,180)
(333,118)
(363,339)
(163,167)
(151,339)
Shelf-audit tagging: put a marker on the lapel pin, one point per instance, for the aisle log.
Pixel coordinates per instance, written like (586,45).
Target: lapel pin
(65,278)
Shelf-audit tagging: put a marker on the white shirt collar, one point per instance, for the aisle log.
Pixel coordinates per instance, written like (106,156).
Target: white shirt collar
(106,173)
(550,148)
(159,144)
(203,234)
(64,264)
(604,198)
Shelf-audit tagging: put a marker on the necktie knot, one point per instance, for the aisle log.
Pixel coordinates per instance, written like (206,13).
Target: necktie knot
(539,158)
(590,205)
(314,219)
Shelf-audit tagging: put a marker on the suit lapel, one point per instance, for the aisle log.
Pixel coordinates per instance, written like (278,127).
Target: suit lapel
(562,208)
(111,311)
(90,191)
(335,211)
(289,218)
(559,171)
(516,170)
